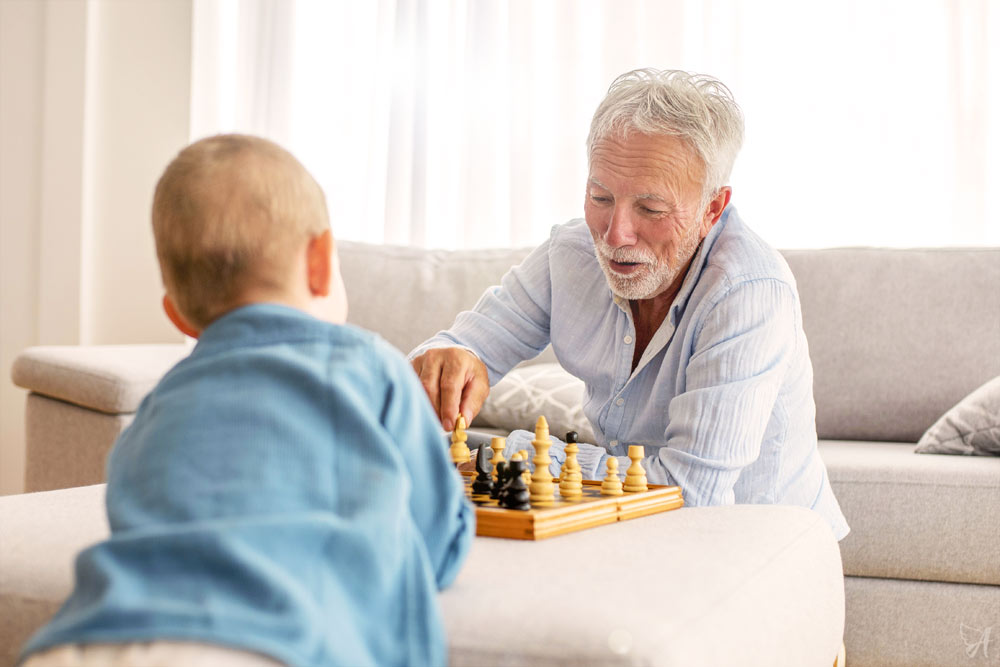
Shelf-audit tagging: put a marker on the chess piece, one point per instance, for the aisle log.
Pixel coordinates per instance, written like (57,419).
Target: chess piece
(483,484)
(515,495)
(507,474)
(497,445)
(542,488)
(635,476)
(459,450)
(612,485)
(503,475)
(570,477)
(527,469)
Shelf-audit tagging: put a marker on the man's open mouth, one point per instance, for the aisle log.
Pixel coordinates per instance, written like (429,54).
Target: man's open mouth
(624,267)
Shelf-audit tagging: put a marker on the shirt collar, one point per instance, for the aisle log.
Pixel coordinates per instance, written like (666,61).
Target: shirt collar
(697,266)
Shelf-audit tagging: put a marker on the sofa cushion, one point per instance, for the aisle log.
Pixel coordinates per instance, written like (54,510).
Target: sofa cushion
(903,623)
(896,336)
(110,378)
(971,427)
(931,517)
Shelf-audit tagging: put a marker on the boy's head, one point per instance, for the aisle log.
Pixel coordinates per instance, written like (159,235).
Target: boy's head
(238,220)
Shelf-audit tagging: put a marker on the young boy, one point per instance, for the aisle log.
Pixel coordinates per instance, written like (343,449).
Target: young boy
(284,493)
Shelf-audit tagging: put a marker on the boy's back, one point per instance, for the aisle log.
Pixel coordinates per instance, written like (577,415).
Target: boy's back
(285,490)
(276,492)
(263,499)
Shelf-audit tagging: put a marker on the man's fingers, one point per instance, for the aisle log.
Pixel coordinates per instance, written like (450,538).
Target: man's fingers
(477,388)
(430,374)
(453,378)
(453,374)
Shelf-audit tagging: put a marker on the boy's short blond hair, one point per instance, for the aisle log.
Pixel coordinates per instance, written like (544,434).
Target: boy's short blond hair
(230,213)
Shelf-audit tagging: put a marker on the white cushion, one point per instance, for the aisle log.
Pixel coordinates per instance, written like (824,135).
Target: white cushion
(527,392)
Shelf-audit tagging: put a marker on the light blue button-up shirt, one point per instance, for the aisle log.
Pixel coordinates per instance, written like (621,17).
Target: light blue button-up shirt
(722,397)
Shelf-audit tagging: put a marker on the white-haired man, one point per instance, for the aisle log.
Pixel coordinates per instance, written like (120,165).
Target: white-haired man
(683,323)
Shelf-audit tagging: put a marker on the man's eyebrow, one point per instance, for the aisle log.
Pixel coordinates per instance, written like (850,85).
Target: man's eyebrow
(653,197)
(594,181)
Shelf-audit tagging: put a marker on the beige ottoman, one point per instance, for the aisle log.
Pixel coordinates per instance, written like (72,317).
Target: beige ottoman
(746,585)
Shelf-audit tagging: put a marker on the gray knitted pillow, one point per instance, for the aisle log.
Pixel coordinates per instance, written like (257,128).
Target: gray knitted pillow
(971,427)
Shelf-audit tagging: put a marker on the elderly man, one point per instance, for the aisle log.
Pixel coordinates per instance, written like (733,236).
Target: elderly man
(683,323)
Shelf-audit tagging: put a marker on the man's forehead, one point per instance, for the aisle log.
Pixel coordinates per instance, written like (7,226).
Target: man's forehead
(647,166)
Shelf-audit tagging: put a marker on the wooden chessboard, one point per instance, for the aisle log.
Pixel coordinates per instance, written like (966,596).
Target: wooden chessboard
(567,516)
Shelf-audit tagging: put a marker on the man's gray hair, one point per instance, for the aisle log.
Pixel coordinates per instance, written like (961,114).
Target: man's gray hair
(698,108)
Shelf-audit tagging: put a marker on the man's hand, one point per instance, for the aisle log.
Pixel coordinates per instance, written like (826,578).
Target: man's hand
(455,381)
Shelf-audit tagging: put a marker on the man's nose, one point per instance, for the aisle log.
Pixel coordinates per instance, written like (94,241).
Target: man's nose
(621,229)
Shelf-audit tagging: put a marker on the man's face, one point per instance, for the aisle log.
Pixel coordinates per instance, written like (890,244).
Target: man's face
(643,210)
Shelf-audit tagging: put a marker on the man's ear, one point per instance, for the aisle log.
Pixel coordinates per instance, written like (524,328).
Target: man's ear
(714,209)
(319,263)
(175,316)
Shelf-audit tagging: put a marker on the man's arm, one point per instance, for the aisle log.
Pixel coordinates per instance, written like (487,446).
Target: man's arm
(510,323)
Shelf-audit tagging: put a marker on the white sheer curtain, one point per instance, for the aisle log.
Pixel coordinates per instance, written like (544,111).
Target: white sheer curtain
(461,123)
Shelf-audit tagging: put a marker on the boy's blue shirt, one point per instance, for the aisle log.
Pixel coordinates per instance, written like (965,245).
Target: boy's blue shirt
(285,490)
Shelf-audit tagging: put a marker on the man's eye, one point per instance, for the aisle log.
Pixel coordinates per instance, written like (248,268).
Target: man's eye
(650,211)
(600,199)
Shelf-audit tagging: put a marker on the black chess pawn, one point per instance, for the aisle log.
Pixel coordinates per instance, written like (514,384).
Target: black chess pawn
(483,484)
(501,480)
(572,436)
(515,494)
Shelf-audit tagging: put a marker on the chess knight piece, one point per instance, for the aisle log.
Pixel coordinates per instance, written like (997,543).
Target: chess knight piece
(483,484)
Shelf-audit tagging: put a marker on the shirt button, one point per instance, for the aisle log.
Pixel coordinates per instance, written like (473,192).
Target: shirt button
(620,402)
(628,340)
(613,443)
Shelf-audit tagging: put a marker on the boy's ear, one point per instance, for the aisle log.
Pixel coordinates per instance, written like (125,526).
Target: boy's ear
(174,315)
(319,263)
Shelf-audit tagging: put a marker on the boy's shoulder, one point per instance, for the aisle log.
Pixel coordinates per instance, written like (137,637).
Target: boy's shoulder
(286,334)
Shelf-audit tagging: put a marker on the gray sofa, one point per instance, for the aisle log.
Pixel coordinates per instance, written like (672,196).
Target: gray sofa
(897,337)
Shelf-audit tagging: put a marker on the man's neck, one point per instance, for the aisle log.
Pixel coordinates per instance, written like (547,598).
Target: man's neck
(648,314)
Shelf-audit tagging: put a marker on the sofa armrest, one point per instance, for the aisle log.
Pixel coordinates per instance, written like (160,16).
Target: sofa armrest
(108,378)
(82,398)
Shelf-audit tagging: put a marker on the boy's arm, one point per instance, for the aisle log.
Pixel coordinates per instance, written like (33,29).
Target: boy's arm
(438,504)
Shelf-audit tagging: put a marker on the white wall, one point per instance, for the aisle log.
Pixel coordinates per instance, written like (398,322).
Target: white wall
(94,101)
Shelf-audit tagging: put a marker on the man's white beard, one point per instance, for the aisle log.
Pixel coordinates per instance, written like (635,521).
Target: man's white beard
(650,279)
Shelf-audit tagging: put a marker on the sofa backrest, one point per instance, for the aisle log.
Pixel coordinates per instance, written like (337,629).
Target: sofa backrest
(409,294)
(896,336)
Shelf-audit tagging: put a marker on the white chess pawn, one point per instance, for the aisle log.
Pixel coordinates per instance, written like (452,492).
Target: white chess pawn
(612,485)
(497,445)
(570,477)
(635,476)
(459,450)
